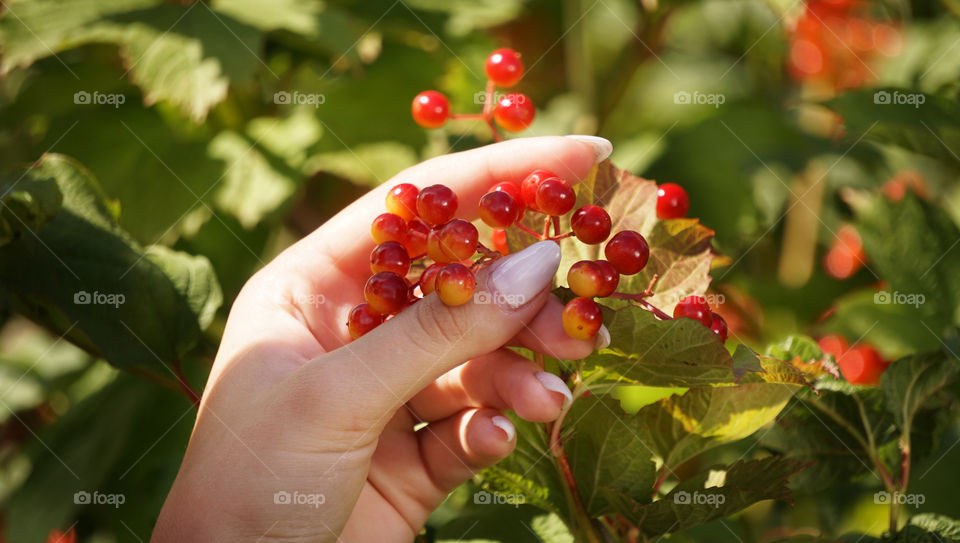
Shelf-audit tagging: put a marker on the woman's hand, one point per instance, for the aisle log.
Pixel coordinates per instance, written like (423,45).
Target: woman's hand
(305,436)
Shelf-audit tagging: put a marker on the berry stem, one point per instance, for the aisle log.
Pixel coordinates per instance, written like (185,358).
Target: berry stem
(556,226)
(546,227)
(530,231)
(649,290)
(467,117)
(487,114)
(561,236)
(639,300)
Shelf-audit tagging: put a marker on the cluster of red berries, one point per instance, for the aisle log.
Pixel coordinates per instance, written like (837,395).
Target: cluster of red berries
(512,112)
(860,365)
(423,248)
(697,308)
(833,42)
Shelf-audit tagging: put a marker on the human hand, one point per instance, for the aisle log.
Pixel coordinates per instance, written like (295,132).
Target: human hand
(291,407)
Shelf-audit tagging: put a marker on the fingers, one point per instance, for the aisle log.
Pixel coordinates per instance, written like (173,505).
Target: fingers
(346,237)
(545,334)
(501,380)
(456,448)
(389,365)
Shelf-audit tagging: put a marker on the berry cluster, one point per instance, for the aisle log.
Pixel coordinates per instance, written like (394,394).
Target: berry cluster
(423,248)
(860,365)
(512,112)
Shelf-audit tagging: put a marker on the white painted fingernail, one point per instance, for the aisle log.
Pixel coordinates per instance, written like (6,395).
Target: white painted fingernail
(601,146)
(504,424)
(602,341)
(518,278)
(553,383)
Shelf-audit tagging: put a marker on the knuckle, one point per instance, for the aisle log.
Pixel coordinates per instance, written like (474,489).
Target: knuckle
(440,326)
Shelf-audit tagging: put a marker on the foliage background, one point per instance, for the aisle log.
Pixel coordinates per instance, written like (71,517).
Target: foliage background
(200,158)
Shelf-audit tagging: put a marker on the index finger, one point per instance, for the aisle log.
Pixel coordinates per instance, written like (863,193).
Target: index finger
(345,239)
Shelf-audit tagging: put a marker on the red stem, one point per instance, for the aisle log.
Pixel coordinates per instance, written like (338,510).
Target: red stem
(529,230)
(561,236)
(639,300)
(185,385)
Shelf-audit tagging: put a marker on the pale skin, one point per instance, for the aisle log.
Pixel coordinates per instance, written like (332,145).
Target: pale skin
(292,405)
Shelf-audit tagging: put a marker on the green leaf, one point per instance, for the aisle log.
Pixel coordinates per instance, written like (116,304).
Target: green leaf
(80,273)
(681,427)
(910,383)
(938,528)
(610,460)
(27,202)
(892,115)
(529,471)
(672,353)
(892,328)
(910,244)
(183,54)
(716,494)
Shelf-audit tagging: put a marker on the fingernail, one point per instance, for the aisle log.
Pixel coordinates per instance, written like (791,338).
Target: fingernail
(555,384)
(504,424)
(601,146)
(518,278)
(602,341)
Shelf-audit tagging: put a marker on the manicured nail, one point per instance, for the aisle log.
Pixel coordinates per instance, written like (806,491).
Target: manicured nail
(504,424)
(601,146)
(518,278)
(555,384)
(602,341)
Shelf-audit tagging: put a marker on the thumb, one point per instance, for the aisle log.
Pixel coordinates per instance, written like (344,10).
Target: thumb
(389,365)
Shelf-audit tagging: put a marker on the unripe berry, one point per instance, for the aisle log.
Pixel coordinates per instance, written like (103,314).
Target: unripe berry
(581,318)
(388,227)
(402,201)
(455,284)
(586,278)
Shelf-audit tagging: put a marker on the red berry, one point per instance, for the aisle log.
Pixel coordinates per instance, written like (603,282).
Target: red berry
(500,241)
(846,255)
(504,67)
(581,318)
(430,109)
(458,239)
(672,201)
(719,327)
(611,278)
(435,248)
(388,227)
(416,238)
(390,256)
(696,308)
(436,204)
(834,344)
(555,197)
(586,278)
(628,252)
(402,201)
(591,224)
(361,320)
(455,284)
(514,191)
(428,280)
(862,365)
(514,112)
(386,292)
(529,186)
(499,209)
